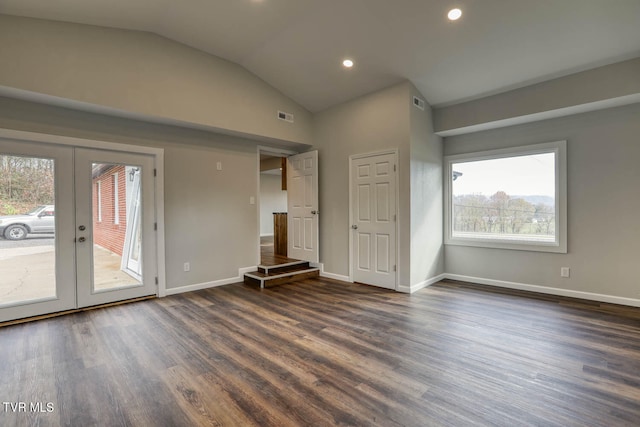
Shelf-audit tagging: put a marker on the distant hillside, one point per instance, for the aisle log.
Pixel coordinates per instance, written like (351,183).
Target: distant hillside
(534,200)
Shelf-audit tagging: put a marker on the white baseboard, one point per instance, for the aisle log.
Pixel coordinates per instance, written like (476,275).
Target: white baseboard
(266,235)
(213,284)
(611,299)
(411,289)
(547,290)
(329,275)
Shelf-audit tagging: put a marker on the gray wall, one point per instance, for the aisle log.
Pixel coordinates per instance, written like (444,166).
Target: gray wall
(603,206)
(427,254)
(379,121)
(208,219)
(615,84)
(143,74)
(367,124)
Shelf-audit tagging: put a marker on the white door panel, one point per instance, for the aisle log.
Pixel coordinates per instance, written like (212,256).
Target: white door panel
(302,186)
(373,207)
(131,240)
(35,273)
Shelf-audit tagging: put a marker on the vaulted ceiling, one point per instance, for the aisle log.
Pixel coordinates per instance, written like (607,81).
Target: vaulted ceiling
(297,46)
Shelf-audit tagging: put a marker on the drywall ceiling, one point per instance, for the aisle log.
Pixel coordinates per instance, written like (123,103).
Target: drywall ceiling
(298,45)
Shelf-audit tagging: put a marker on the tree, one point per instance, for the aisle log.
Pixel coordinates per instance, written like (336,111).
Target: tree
(25,182)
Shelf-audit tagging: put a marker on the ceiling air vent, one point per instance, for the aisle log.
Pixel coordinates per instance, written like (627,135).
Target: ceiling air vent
(418,102)
(287,117)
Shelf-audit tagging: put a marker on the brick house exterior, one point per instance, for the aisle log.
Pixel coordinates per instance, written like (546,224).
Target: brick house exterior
(110,207)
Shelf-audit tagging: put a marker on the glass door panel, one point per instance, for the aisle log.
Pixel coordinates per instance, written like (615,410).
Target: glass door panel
(116,226)
(36,243)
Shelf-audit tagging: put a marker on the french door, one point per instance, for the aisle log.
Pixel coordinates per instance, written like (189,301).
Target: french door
(100,245)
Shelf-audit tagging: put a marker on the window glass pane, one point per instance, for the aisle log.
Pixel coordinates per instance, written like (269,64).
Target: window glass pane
(116,226)
(511,198)
(27,230)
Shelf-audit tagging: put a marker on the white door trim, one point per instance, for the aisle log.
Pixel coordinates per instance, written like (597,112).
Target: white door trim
(350,220)
(157,153)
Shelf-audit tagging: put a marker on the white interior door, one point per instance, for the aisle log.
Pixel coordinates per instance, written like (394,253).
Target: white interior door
(302,206)
(115,219)
(373,208)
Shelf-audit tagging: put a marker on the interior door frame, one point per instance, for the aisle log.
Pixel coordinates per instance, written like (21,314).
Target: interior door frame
(272,151)
(156,153)
(353,157)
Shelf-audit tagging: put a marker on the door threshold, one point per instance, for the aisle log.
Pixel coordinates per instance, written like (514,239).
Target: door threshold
(75,310)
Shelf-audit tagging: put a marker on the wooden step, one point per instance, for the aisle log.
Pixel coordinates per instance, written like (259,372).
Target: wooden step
(283,268)
(291,273)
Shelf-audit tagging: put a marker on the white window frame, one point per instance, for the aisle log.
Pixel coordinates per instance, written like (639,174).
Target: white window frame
(99,196)
(116,200)
(559,148)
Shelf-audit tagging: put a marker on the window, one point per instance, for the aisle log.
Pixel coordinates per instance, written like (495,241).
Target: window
(99,197)
(512,198)
(116,199)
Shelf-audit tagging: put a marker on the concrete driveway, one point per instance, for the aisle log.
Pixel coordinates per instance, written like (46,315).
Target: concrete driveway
(27,269)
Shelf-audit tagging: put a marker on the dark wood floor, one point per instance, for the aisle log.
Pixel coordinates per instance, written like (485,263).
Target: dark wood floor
(320,352)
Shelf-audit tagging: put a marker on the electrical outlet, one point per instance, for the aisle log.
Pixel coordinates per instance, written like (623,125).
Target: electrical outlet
(187,266)
(565,272)
(219,166)
(252,200)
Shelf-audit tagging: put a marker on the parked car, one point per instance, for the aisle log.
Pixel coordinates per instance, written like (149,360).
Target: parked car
(39,220)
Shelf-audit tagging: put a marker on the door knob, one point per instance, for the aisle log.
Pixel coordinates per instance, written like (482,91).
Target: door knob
(82,228)
(354,226)
(315,212)
(81,239)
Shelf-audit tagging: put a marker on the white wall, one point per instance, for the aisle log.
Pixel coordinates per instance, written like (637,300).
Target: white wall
(142,74)
(272,199)
(603,206)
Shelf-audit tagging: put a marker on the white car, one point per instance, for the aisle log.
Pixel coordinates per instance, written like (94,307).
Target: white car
(38,220)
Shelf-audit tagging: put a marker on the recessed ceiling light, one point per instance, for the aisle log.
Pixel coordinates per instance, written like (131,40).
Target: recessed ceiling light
(347,63)
(454,14)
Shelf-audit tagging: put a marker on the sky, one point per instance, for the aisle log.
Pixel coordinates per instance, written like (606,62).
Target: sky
(530,175)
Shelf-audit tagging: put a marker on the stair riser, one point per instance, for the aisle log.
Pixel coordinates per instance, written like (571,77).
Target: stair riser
(269,282)
(282,269)
(282,280)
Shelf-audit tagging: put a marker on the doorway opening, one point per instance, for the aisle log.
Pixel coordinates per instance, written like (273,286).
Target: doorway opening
(273,200)
(288,217)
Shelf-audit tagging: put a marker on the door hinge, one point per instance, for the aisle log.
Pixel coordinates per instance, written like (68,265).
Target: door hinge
(155,172)
(394,168)
(156,280)
(395,268)
(155,226)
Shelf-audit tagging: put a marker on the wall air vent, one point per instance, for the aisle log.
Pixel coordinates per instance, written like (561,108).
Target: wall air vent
(420,103)
(287,117)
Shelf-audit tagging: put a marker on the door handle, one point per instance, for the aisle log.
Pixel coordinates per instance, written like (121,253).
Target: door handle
(81,239)
(315,212)
(354,226)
